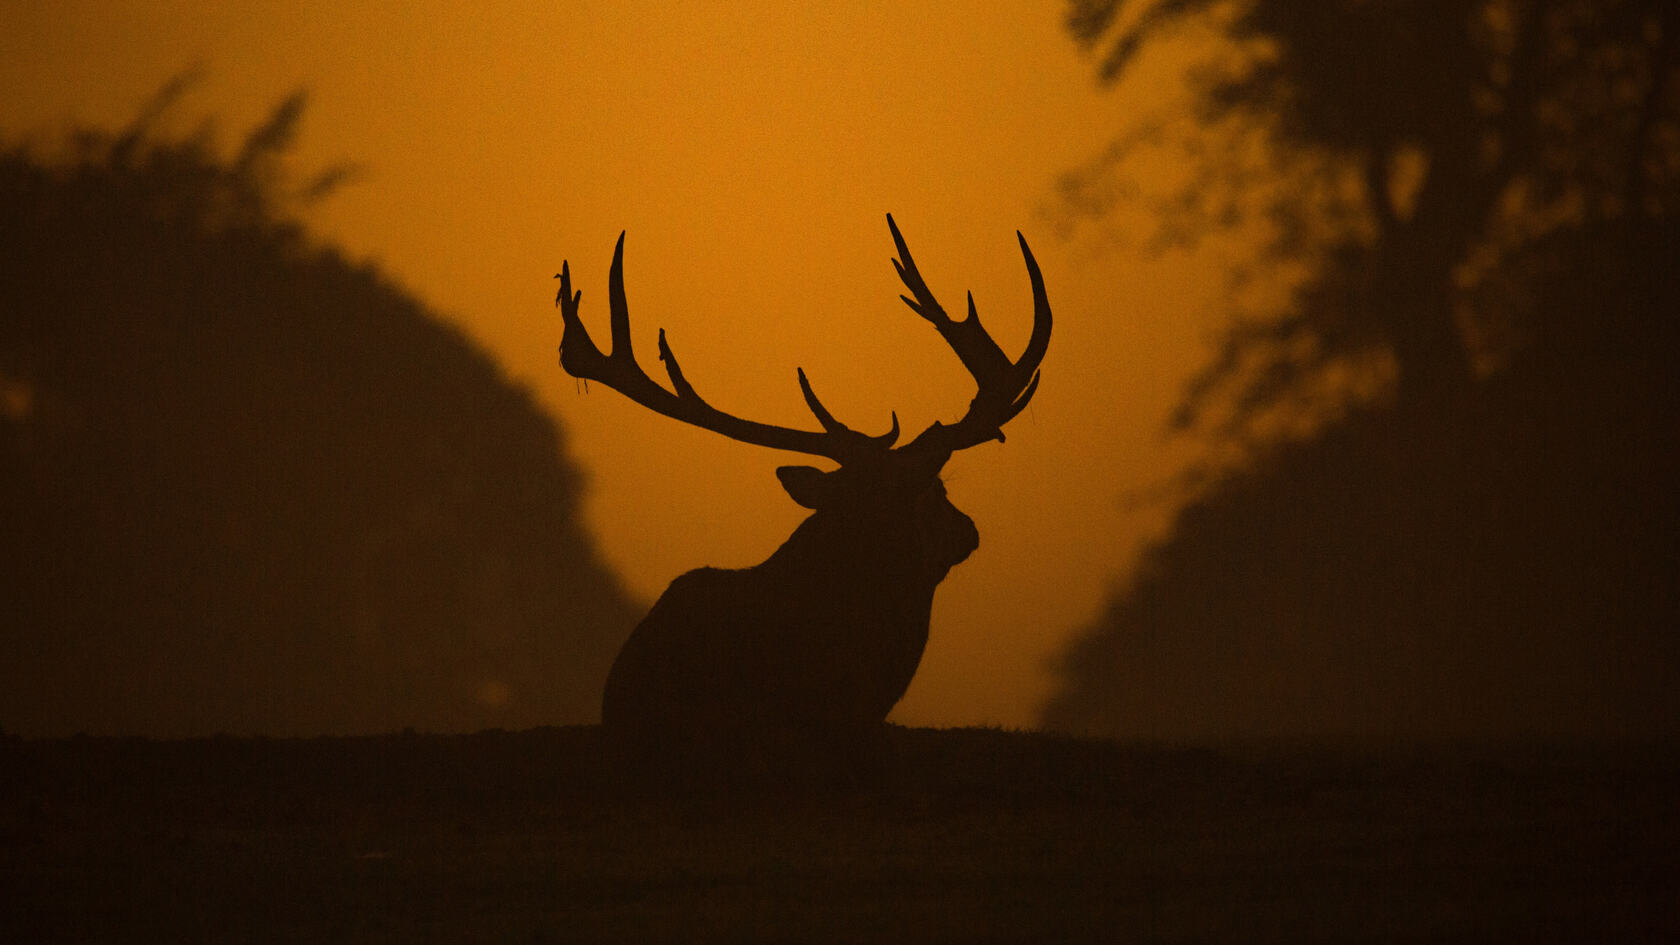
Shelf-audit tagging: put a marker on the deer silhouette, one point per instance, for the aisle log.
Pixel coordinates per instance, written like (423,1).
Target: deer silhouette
(803,655)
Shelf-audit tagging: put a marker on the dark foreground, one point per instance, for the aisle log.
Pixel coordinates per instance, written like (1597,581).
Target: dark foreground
(984,836)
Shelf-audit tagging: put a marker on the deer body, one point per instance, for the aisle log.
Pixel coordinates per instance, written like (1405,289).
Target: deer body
(823,636)
(803,655)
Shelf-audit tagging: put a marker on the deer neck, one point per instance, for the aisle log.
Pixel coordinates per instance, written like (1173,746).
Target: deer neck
(829,551)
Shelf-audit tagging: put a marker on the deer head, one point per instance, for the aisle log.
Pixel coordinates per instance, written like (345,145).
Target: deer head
(879,488)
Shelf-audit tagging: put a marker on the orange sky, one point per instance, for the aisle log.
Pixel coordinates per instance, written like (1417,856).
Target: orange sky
(751,150)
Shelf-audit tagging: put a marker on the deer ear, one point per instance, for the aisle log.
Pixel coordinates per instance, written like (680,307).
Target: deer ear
(808,485)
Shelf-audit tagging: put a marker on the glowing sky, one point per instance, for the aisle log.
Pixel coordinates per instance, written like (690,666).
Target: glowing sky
(751,150)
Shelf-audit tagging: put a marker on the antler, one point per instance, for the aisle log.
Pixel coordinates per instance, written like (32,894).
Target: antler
(581,358)
(1005,386)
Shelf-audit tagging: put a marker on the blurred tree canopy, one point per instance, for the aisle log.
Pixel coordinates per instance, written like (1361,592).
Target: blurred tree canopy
(1475,200)
(1411,156)
(249,486)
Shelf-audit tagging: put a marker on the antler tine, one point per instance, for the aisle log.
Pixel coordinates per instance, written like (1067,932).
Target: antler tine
(973,346)
(1039,342)
(830,424)
(1005,386)
(619,370)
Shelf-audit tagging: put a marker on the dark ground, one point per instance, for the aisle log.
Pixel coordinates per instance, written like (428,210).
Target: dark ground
(984,836)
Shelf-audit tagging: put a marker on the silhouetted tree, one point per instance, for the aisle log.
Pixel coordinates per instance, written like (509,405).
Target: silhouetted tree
(248,485)
(1506,572)
(1483,198)
(1410,150)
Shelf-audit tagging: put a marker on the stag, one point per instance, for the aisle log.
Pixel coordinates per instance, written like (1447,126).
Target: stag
(803,655)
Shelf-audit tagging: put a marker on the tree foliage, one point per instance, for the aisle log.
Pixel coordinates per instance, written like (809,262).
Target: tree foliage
(1415,153)
(250,486)
(1476,537)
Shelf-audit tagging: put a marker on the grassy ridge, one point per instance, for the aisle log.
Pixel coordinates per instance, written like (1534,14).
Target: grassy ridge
(981,836)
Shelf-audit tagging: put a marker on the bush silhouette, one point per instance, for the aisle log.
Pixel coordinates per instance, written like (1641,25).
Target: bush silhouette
(1479,536)
(250,486)
(1506,569)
